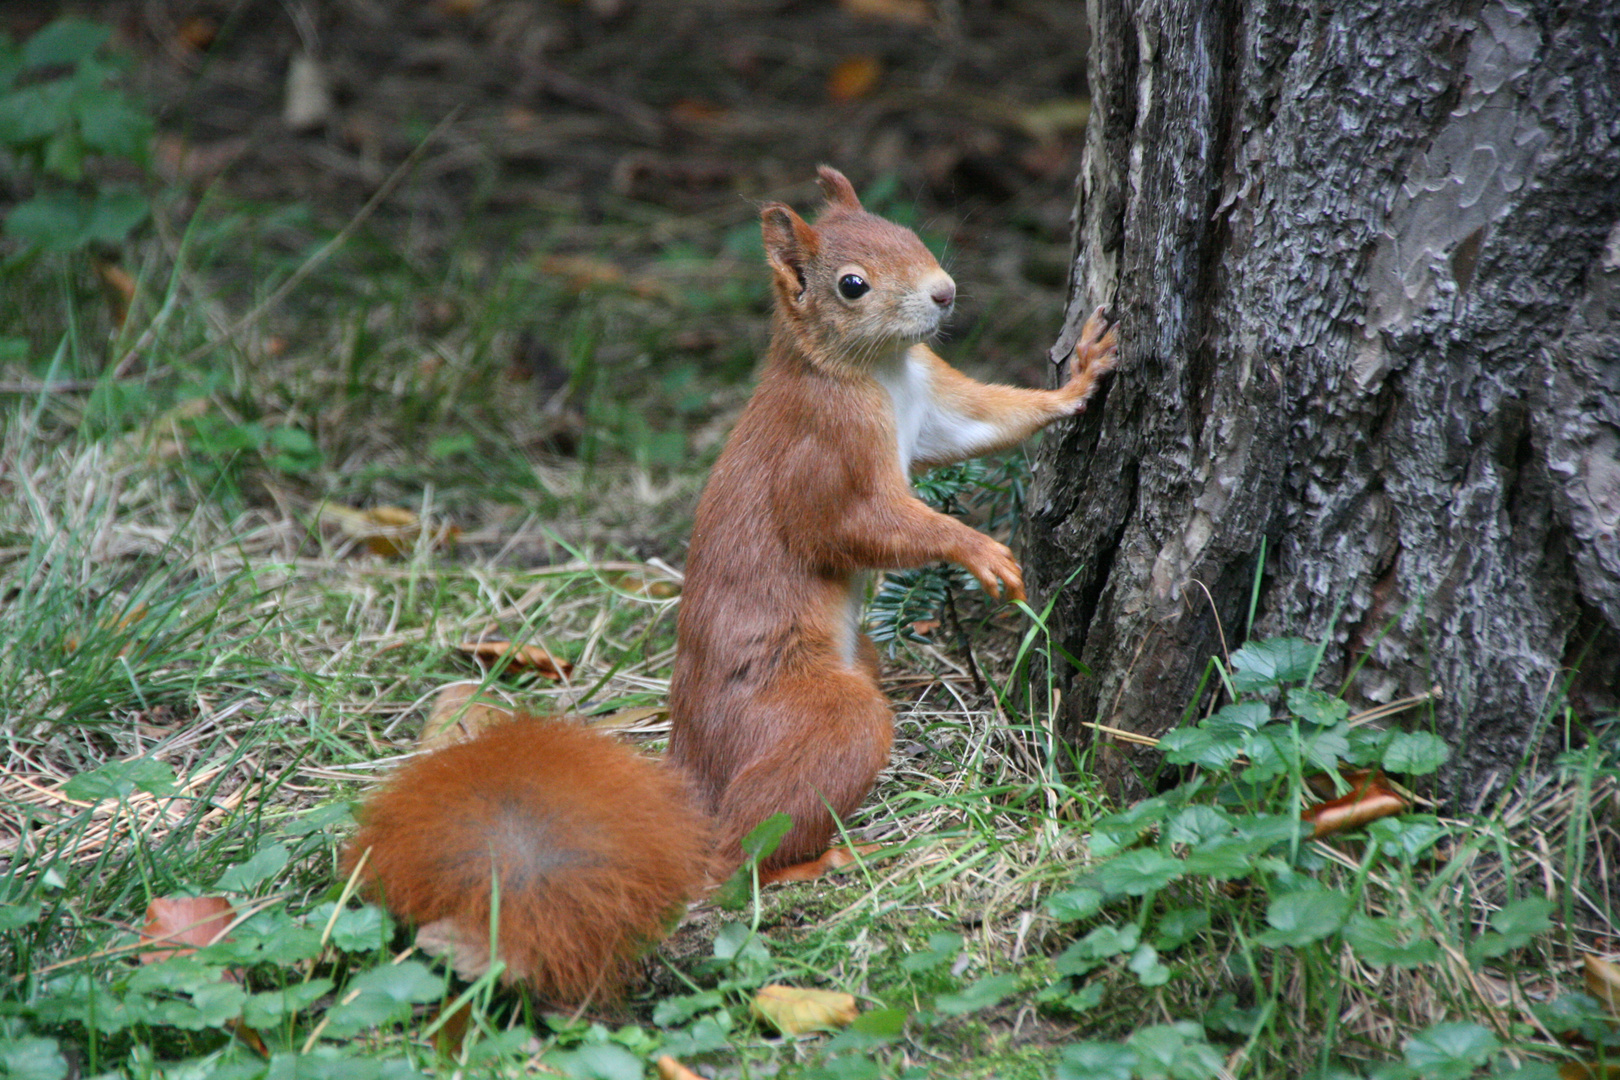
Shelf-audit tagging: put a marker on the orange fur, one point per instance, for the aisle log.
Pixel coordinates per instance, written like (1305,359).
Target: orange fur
(774,701)
(597,851)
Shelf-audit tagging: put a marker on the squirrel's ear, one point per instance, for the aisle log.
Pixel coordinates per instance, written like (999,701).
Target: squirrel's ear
(836,186)
(790,244)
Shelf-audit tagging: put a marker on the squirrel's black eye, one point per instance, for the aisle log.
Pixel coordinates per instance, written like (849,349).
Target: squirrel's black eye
(853,286)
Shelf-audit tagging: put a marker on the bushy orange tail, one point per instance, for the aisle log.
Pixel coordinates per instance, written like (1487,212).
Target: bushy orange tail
(597,850)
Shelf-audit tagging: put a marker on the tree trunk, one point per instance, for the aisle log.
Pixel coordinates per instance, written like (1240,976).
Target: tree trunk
(1366,257)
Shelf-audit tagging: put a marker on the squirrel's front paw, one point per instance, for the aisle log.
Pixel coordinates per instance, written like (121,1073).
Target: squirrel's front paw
(1094,356)
(998,573)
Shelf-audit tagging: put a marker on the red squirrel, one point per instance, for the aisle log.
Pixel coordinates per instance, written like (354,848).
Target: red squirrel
(774,701)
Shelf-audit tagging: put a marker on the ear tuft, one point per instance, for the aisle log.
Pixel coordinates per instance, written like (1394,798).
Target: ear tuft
(790,244)
(836,186)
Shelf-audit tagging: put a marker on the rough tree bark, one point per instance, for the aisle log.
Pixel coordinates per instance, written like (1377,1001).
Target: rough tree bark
(1367,259)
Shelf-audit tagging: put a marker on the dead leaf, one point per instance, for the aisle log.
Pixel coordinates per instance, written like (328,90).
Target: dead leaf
(452,1033)
(109,623)
(119,286)
(581,272)
(1603,982)
(189,922)
(389,531)
(627,719)
(904,12)
(697,111)
(795,1011)
(1369,799)
(197,33)
(1049,119)
(853,78)
(670,1069)
(523,657)
(1572,1070)
(456,716)
(308,104)
(654,588)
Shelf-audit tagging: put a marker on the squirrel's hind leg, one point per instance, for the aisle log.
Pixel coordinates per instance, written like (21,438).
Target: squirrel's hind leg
(826,770)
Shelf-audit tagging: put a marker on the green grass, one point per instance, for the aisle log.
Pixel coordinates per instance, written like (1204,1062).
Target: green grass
(200,668)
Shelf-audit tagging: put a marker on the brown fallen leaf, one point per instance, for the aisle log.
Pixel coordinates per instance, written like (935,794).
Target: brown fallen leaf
(523,658)
(648,585)
(796,1011)
(127,619)
(456,716)
(184,924)
(853,78)
(904,12)
(1574,1070)
(1603,982)
(581,272)
(1369,799)
(389,531)
(197,33)
(119,286)
(629,719)
(670,1069)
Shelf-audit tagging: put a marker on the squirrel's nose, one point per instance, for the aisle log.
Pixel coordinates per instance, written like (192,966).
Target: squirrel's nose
(944,293)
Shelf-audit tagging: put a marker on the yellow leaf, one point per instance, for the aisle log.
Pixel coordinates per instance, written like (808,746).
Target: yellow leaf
(1603,982)
(670,1069)
(795,1011)
(854,78)
(905,12)
(530,657)
(457,715)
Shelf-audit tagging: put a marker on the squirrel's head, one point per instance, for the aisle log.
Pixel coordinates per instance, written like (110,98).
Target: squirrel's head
(852,286)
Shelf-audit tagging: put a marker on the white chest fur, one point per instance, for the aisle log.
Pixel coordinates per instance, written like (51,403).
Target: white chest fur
(925,426)
(906,380)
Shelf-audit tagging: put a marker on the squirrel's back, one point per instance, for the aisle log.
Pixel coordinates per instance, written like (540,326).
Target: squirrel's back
(595,849)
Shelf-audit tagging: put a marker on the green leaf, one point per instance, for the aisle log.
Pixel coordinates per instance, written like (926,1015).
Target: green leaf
(1238,716)
(1450,1051)
(1225,1015)
(1316,707)
(1178,1051)
(1410,834)
(1390,941)
(359,929)
(1096,1061)
(736,941)
(764,837)
(120,779)
(32,1058)
(1259,665)
(678,1010)
(1305,915)
(65,41)
(114,214)
(1099,945)
(111,125)
(1415,753)
(14,916)
(1200,746)
(1195,824)
(271,1007)
(1144,962)
(1522,920)
(265,864)
(603,1061)
(1075,904)
(983,994)
(1137,873)
(942,949)
(1179,926)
